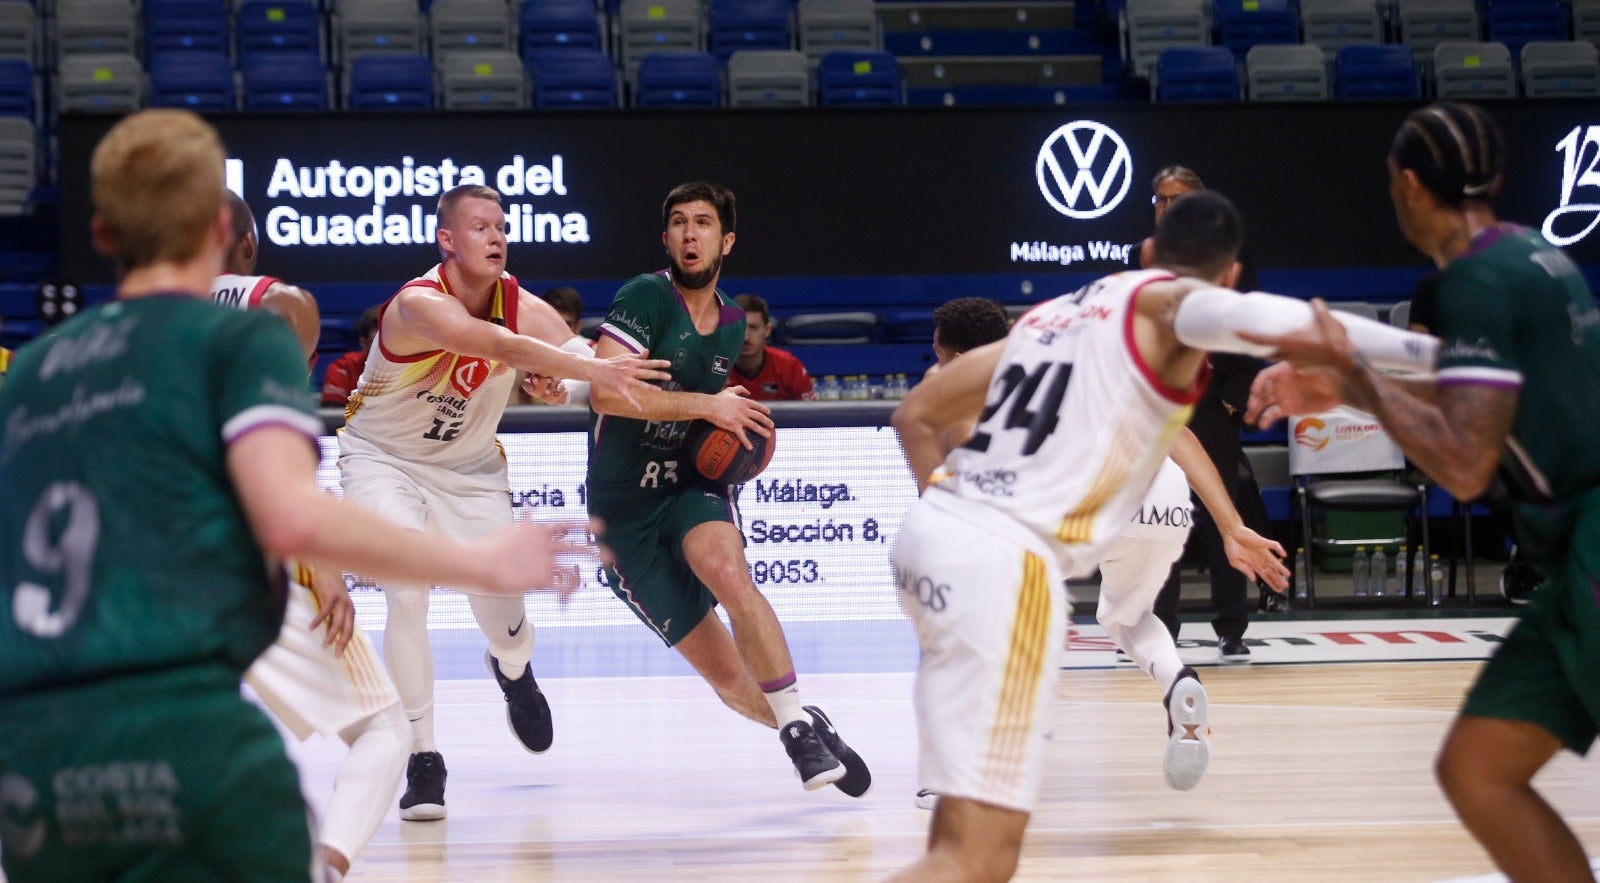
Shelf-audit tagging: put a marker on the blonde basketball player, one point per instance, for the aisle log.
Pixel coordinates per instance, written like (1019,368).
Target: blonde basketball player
(419,446)
(1084,399)
(322,675)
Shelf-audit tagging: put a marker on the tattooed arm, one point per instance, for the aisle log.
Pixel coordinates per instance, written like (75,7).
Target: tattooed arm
(1456,439)
(1455,433)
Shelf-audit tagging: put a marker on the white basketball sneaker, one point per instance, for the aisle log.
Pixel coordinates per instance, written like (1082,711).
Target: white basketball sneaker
(1188,732)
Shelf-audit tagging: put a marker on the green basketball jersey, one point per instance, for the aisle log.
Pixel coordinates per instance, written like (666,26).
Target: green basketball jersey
(648,315)
(122,544)
(1515,312)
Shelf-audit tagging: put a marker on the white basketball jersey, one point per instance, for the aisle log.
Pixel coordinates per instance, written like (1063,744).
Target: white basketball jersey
(1075,426)
(437,408)
(240,292)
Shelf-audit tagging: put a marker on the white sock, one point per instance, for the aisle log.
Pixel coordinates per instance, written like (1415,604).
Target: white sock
(497,619)
(783,695)
(1148,643)
(409,659)
(364,789)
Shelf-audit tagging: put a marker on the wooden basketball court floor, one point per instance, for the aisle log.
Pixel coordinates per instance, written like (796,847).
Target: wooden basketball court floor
(1319,773)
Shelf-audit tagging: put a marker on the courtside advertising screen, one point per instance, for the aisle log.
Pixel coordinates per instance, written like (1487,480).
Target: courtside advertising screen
(818,527)
(899,191)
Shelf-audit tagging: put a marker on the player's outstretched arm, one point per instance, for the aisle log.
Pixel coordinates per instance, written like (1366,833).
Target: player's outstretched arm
(421,319)
(273,469)
(1250,553)
(1453,433)
(732,408)
(950,397)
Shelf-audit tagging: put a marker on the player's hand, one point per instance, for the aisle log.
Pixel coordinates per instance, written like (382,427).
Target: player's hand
(1283,389)
(549,390)
(536,556)
(627,375)
(1256,557)
(734,410)
(336,609)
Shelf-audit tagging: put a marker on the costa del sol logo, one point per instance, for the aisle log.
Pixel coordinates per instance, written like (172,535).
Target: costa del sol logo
(1100,164)
(1311,433)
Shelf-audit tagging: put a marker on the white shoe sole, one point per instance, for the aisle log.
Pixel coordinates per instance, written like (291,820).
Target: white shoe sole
(822,779)
(927,800)
(423,812)
(1189,747)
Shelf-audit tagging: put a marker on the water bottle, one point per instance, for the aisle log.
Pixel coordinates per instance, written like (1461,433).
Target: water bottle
(901,386)
(1360,572)
(1378,585)
(1402,567)
(829,390)
(1419,575)
(1435,582)
(1300,565)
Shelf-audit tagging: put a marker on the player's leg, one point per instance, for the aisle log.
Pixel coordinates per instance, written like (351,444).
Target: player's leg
(385,487)
(464,512)
(990,621)
(968,842)
(1536,695)
(1486,769)
(365,785)
(711,650)
(702,526)
(313,690)
(1132,575)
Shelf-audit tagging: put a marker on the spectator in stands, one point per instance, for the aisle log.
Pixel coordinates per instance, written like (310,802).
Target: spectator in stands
(769,374)
(568,303)
(1218,420)
(341,378)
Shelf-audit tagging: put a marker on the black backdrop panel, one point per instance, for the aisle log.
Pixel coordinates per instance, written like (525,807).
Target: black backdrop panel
(347,198)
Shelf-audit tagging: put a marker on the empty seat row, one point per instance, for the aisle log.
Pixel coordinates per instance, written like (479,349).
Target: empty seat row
(1298,73)
(470,80)
(1146,27)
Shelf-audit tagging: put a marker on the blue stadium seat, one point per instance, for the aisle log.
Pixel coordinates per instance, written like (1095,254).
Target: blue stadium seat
(200,81)
(1242,24)
(185,26)
(678,79)
(17,86)
(1369,71)
(573,78)
(390,82)
(558,24)
(858,78)
(747,24)
(1196,73)
(1515,23)
(285,81)
(278,26)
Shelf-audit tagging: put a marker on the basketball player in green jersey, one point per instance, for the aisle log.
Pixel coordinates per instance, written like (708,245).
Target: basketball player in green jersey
(676,537)
(158,452)
(1518,384)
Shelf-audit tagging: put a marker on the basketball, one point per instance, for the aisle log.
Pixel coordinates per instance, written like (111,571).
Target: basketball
(720,456)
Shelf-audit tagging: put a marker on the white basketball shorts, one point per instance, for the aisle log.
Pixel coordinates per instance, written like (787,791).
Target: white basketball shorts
(991,617)
(1135,565)
(310,689)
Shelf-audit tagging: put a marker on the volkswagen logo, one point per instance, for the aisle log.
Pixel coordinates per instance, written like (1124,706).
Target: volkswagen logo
(1079,166)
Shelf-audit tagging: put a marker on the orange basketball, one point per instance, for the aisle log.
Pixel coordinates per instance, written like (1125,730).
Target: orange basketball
(720,456)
